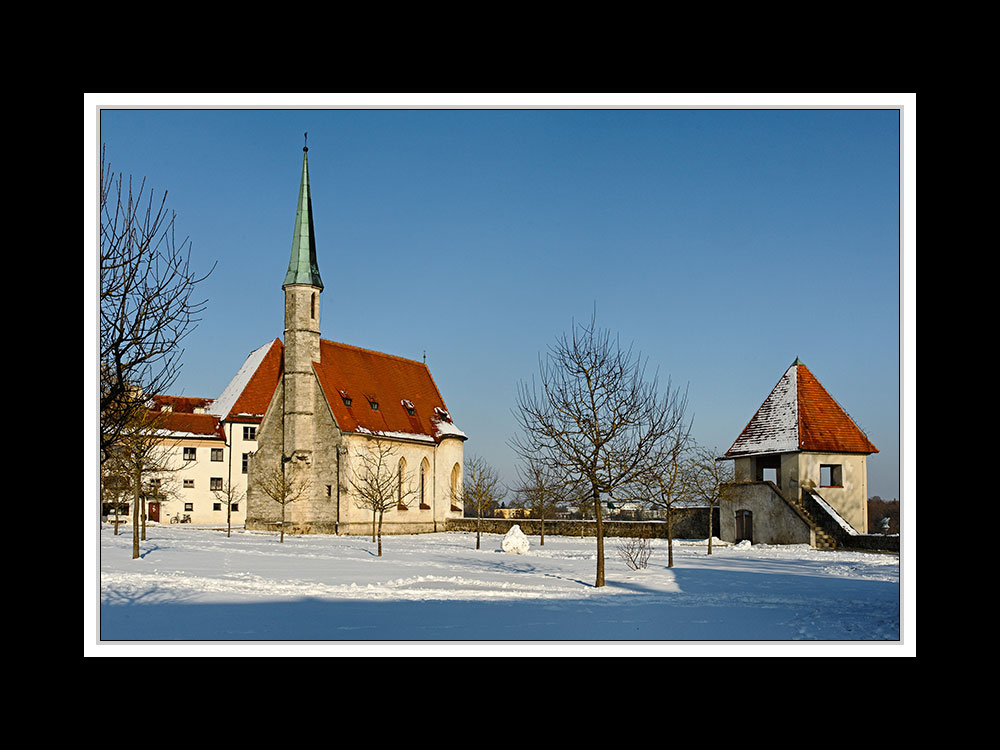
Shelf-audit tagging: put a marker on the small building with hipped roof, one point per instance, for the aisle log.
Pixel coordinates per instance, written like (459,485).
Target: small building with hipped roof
(800,464)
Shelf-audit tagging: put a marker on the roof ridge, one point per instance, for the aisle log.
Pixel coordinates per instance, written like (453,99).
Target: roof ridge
(372,351)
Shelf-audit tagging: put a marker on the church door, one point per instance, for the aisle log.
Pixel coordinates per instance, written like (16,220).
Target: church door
(744,525)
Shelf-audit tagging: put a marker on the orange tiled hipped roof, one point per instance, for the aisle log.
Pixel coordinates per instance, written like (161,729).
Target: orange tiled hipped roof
(800,415)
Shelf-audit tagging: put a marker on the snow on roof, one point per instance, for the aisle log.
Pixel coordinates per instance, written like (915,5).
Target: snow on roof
(800,415)
(225,402)
(775,426)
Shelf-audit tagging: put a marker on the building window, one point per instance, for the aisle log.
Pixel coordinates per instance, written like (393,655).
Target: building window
(216,454)
(456,487)
(312,306)
(236,507)
(424,467)
(188,506)
(374,405)
(329,490)
(215,483)
(410,408)
(245,462)
(190,454)
(831,475)
(249,433)
(189,484)
(216,506)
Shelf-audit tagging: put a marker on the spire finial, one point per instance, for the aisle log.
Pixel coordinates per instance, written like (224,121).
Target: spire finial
(305,141)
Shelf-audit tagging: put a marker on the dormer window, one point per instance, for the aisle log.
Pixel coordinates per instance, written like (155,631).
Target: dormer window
(372,401)
(374,405)
(345,397)
(442,414)
(410,408)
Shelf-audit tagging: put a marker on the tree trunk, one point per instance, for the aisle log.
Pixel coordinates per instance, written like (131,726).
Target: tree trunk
(229,519)
(143,511)
(380,535)
(710,529)
(670,537)
(479,521)
(600,539)
(282,537)
(374,516)
(542,542)
(136,502)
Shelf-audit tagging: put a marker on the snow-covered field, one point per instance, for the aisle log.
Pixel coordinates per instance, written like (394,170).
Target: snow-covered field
(193,584)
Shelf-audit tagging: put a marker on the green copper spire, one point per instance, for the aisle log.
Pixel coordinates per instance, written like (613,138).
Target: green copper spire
(302,267)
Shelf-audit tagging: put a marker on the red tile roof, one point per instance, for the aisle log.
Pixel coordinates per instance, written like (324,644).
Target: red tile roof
(800,415)
(182,404)
(396,384)
(181,418)
(823,424)
(186,424)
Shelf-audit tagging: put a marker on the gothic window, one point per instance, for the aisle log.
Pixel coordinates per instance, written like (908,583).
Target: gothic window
(400,475)
(456,478)
(424,466)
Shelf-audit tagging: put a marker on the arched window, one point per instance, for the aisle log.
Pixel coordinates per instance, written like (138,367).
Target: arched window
(424,470)
(401,475)
(456,486)
(312,307)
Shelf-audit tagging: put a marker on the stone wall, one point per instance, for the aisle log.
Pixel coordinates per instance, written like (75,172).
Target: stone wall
(689,523)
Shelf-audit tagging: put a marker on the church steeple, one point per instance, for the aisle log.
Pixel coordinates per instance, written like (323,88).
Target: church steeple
(302,266)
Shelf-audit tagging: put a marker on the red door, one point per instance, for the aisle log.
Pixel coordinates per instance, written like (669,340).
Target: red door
(154,512)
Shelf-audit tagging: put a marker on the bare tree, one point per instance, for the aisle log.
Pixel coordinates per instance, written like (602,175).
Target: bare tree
(378,483)
(664,482)
(116,489)
(285,484)
(229,494)
(712,481)
(541,492)
(594,416)
(146,302)
(481,489)
(635,550)
(141,455)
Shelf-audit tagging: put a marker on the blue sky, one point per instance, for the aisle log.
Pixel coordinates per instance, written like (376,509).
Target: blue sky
(722,243)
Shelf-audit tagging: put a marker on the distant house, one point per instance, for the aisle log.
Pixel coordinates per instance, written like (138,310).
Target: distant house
(200,456)
(800,457)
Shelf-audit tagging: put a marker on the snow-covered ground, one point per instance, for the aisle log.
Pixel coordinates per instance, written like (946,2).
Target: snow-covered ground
(193,584)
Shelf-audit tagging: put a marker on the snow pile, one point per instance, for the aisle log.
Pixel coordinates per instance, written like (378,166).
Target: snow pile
(515,541)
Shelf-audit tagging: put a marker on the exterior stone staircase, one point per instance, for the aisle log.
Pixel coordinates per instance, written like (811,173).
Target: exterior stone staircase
(821,539)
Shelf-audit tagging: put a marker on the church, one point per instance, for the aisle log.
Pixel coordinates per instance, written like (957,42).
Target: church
(327,412)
